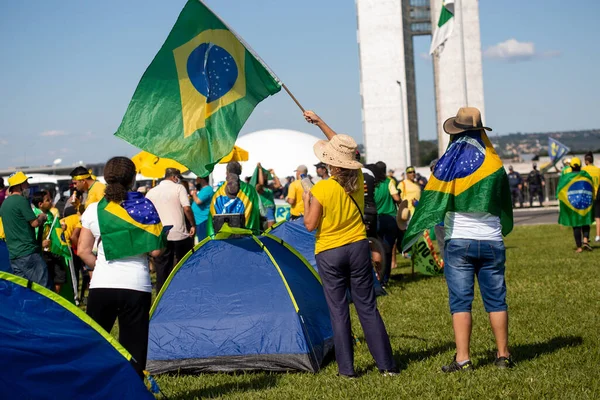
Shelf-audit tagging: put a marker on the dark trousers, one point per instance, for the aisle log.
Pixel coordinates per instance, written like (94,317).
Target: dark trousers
(133,310)
(388,232)
(165,263)
(517,196)
(349,267)
(535,190)
(579,231)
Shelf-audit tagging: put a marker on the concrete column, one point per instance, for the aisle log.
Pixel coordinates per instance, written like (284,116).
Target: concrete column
(458,68)
(382,64)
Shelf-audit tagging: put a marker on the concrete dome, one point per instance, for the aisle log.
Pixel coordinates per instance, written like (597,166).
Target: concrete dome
(280,149)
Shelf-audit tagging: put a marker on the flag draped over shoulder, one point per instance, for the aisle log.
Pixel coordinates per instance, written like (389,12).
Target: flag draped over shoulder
(130,228)
(576,195)
(469,177)
(444,27)
(246,203)
(197,93)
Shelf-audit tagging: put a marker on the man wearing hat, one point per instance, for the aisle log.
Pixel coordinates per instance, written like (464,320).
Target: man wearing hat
(409,189)
(536,182)
(173,205)
(295,192)
(85,182)
(19,228)
(474,247)
(322,171)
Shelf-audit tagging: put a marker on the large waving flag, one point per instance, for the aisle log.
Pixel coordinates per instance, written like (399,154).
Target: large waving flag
(197,93)
(130,228)
(444,27)
(469,177)
(576,195)
(556,150)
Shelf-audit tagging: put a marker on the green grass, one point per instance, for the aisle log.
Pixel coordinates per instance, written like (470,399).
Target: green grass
(554,303)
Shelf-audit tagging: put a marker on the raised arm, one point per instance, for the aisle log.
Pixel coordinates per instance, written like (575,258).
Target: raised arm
(261,176)
(314,119)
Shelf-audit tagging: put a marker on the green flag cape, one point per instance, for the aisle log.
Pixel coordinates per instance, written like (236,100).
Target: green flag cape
(575,193)
(197,93)
(248,197)
(266,175)
(130,228)
(469,177)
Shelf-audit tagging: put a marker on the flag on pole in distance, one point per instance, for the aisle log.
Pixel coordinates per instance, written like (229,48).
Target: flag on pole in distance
(576,195)
(469,177)
(444,27)
(197,93)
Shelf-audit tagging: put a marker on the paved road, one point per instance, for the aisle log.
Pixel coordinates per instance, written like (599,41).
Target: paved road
(536,216)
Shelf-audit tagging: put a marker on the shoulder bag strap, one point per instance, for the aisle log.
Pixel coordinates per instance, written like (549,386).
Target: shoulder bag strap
(362,218)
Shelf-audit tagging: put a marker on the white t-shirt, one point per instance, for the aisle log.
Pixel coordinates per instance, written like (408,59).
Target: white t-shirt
(169,198)
(126,273)
(475,226)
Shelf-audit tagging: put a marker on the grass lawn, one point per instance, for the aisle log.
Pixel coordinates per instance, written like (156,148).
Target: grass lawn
(554,304)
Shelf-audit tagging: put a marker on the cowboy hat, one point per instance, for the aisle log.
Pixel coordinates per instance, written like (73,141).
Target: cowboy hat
(467,119)
(338,152)
(403,215)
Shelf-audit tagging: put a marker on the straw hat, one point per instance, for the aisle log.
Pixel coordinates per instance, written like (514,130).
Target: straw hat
(403,215)
(467,119)
(338,152)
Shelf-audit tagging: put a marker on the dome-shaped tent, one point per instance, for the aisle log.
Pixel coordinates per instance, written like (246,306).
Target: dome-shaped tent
(240,304)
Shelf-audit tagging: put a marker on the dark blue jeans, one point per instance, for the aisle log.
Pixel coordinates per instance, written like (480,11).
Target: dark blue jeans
(465,258)
(33,268)
(349,267)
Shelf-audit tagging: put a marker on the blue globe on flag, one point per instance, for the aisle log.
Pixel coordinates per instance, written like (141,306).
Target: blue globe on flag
(464,156)
(580,195)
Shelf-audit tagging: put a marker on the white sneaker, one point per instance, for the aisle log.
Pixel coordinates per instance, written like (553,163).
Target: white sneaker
(597,239)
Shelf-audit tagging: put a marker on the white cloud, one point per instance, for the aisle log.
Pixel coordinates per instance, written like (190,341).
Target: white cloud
(3,142)
(513,50)
(52,133)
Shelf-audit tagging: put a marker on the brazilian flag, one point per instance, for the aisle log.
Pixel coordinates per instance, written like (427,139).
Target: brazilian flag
(58,244)
(130,228)
(246,202)
(575,193)
(469,177)
(197,93)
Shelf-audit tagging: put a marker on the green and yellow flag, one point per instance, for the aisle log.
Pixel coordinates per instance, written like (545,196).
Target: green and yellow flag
(130,228)
(576,195)
(58,244)
(469,177)
(246,202)
(197,93)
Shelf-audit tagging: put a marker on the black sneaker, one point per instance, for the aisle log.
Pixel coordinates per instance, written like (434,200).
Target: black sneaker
(504,362)
(455,367)
(586,246)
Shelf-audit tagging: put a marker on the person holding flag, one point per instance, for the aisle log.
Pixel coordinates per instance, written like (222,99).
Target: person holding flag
(469,191)
(594,172)
(575,192)
(126,228)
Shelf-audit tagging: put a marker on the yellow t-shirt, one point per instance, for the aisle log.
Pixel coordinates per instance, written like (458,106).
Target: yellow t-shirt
(295,192)
(71,222)
(595,174)
(392,188)
(409,191)
(95,193)
(341,223)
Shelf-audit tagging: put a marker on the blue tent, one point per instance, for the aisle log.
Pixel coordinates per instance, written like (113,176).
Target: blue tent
(52,349)
(246,303)
(296,235)
(4,258)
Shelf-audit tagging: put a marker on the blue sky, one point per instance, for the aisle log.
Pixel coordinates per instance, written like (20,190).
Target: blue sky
(69,68)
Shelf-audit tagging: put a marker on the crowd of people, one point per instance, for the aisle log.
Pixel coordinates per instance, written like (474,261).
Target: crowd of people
(346,204)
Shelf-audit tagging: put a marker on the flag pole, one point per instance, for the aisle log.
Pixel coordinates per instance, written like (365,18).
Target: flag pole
(292,96)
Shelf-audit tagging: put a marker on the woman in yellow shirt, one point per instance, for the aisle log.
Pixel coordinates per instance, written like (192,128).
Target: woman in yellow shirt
(334,207)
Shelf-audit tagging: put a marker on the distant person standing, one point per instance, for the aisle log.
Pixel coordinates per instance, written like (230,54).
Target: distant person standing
(536,183)
(322,171)
(295,191)
(19,223)
(3,191)
(201,196)
(86,183)
(594,172)
(173,205)
(516,185)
